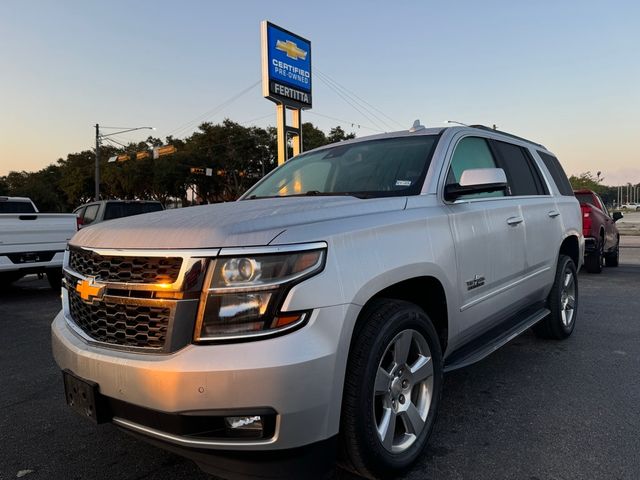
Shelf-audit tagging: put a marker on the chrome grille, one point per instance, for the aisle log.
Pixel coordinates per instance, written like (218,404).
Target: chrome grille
(121,323)
(122,269)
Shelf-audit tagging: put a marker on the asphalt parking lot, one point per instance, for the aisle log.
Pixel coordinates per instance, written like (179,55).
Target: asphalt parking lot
(533,410)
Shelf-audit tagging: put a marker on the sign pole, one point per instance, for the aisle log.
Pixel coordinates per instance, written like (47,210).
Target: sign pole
(297,125)
(281,114)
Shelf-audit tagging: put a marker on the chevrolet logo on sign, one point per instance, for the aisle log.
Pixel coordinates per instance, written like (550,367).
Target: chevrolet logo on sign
(89,291)
(291,49)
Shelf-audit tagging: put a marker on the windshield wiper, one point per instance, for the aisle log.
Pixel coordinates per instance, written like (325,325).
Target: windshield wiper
(316,193)
(336,194)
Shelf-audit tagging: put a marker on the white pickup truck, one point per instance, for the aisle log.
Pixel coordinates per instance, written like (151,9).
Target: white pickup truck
(32,242)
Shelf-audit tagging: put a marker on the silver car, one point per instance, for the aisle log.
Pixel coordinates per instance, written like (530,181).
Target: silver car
(326,303)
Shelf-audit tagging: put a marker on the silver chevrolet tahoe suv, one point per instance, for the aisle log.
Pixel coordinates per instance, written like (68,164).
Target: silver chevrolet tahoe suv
(320,311)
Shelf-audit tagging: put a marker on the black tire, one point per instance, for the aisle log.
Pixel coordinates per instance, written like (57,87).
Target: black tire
(382,323)
(54,277)
(556,325)
(612,258)
(6,279)
(593,261)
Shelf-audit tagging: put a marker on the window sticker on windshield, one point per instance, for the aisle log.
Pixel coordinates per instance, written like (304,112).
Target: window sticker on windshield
(403,183)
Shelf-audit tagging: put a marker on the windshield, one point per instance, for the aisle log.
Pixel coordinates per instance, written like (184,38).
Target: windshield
(375,168)
(585,198)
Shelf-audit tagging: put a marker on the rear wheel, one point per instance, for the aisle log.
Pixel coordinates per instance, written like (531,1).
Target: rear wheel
(392,389)
(593,261)
(562,302)
(612,258)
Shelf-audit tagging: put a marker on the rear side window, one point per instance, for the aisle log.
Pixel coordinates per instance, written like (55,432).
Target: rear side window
(559,177)
(11,206)
(522,174)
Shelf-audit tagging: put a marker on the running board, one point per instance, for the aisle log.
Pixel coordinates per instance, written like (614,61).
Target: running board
(492,340)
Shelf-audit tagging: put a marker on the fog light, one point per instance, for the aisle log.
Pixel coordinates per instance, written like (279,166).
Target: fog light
(250,426)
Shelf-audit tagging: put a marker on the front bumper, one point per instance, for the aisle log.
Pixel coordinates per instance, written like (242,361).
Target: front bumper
(299,375)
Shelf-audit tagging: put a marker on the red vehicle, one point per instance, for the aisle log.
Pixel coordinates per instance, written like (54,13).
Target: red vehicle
(601,237)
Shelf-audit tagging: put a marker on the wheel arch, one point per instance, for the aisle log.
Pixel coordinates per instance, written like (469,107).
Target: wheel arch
(571,247)
(427,292)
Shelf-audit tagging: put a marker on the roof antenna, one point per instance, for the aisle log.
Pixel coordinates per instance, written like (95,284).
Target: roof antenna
(457,123)
(416,126)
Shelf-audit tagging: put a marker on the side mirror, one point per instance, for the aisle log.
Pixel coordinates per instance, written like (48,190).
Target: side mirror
(477,180)
(617,216)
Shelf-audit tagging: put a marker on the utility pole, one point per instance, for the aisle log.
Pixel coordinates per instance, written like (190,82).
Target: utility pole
(99,137)
(97,175)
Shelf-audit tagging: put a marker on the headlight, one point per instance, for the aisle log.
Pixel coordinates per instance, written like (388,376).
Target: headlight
(245,292)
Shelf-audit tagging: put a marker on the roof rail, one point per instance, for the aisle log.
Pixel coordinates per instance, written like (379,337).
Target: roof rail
(484,127)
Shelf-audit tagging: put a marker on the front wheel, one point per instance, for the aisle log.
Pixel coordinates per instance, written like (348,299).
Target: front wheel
(392,389)
(562,302)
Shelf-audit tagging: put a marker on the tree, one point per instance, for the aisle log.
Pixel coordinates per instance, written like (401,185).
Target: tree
(41,187)
(77,182)
(4,186)
(312,137)
(587,180)
(337,134)
(238,156)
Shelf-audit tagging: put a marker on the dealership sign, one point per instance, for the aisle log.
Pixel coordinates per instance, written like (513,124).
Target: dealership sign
(286,66)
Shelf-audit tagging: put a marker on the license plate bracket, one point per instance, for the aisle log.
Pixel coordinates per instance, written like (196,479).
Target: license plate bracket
(84,398)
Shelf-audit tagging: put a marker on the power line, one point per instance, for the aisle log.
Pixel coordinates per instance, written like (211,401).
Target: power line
(353,124)
(115,142)
(362,101)
(347,97)
(214,110)
(256,119)
(355,107)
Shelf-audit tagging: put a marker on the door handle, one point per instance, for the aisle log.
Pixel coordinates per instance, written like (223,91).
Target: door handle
(515,220)
(553,213)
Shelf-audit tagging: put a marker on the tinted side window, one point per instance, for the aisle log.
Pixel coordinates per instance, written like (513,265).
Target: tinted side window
(471,152)
(522,175)
(152,207)
(90,214)
(122,209)
(559,177)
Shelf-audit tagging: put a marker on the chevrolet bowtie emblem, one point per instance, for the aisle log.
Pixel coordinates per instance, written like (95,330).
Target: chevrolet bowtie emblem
(291,49)
(88,290)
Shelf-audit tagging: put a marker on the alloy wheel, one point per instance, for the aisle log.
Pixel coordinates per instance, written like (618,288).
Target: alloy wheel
(403,391)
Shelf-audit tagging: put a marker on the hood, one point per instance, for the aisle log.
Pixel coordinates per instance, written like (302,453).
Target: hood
(234,224)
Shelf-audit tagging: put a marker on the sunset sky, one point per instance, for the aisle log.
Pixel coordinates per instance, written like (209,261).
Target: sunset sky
(564,74)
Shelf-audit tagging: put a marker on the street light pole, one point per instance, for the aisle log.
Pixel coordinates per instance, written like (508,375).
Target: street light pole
(97,176)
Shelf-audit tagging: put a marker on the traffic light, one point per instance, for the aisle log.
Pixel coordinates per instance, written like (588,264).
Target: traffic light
(164,150)
(197,170)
